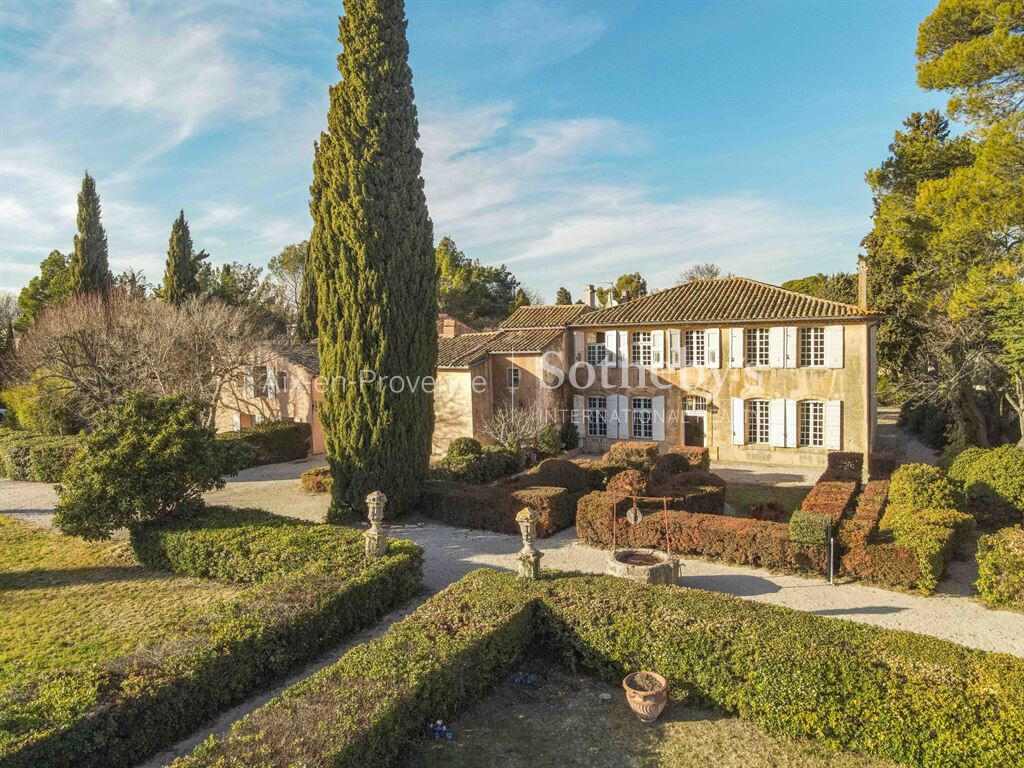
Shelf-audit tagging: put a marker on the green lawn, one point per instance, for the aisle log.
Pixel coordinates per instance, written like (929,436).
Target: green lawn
(562,720)
(741,495)
(65,601)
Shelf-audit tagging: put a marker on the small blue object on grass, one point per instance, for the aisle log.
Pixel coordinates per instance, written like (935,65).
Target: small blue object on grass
(439,730)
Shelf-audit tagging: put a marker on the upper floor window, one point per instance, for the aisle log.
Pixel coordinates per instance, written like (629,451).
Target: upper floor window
(596,350)
(812,347)
(695,403)
(757,421)
(694,355)
(643,349)
(282,381)
(643,417)
(757,346)
(597,424)
(513,377)
(811,418)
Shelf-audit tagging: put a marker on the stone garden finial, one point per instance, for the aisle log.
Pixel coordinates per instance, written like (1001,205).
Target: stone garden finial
(528,557)
(376,543)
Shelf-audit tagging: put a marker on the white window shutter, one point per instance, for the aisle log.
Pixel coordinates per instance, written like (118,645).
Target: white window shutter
(657,349)
(712,348)
(577,411)
(250,382)
(236,421)
(579,345)
(790,423)
(833,424)
(610,348)
(271,381)
(737,421)
(658,427)
(735,347)
(675,350)
(611,415)
(777,422)
(833,346)
(622,349)
(791,346)
(623,411)
(776,346)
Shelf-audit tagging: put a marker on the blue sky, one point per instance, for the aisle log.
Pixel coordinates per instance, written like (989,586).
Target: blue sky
(571,141)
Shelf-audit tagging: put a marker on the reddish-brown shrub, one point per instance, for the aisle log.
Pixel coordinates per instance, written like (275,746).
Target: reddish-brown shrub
(890,564)
(554,472)
(669,464)
(697,458)
(633,454)
(629,482)
(862,525)
(598,471)
(769,511)
(556,505)
(494,507)
(844,465)
(681,483)
(730,539)
(881,465)
(829,498)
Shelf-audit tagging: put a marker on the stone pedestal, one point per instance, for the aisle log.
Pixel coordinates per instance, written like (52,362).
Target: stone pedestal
(528,558)
(376,542)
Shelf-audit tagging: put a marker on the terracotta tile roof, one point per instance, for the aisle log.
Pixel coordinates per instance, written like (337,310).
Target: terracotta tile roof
(462,351)
(723,300)
(544,316)
(305,355)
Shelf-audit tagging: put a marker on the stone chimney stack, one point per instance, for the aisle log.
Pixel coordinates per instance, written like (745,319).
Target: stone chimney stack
(590,296)
(862,283)
(449,329)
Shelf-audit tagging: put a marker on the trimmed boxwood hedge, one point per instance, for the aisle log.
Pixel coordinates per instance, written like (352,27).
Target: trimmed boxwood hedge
(494,507)
(274,441)
(993,483)
(31,456)
(906,697)
(312,587)
(1001,568)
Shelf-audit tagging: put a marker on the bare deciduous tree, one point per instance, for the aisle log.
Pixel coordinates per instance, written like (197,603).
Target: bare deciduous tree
(515,428)
(101,347)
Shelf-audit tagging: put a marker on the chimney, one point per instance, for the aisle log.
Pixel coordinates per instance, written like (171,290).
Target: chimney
(449,330)
(590,296)
(862,282)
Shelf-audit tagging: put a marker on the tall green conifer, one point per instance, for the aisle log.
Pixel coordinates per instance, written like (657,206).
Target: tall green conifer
(180,279)
(373,258)
(88,266)
(306,330)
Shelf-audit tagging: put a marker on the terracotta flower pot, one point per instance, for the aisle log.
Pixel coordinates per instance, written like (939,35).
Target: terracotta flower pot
(646,704)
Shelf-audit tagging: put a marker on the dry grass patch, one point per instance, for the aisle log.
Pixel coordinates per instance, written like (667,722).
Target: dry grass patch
(740,496)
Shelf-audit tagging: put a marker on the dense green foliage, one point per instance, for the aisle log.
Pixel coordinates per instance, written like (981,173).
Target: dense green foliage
(464,446)
(88,269)
(633,454)
(373,257)
(479,295)
(486,465)
(1001,567)
(907,697)
(51,285)
(840,286)
(562,296)
(312,587)
(271,442)
(181,272)
(807,528)
(993,483)
(307,309)
(147,458)
(316,480)
(28,455)
(920,486)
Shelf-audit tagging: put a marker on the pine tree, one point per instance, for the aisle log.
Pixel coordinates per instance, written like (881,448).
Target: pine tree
(306,330)
(88,265)
(180,273)
(563,296)
(373,258)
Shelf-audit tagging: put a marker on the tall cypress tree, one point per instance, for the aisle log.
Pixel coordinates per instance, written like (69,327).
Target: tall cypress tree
(306,330)
(88,266)
(180,279)
(373,257)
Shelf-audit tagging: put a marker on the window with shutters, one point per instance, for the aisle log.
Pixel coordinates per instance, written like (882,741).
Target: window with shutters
(812,347)
(597,413)
(695,403)
(694,355)
(596,349)
(643,349)
(643,417)
(811,423)
(513,378)
(260,381)
(757,421)
(757,346)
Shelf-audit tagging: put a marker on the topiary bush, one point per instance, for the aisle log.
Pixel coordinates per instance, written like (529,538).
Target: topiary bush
(844,465)
(492,463)
(464,446)
(494,507)
(805,528)
(697,458)
(558,472)
(147,458)
(921,486)
(993,483)
(628,482)
(632,454)
(316,480)
(570,436)
(1001,568)
(31,456)
(549,440)
(273,442)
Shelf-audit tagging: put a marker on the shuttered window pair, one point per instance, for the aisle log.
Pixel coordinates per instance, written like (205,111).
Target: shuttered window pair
(786,347)
(786,423)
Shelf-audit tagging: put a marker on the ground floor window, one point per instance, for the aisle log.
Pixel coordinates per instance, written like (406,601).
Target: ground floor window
(757,421)
(597,423)
(643,417)
(812,422)
(513,378)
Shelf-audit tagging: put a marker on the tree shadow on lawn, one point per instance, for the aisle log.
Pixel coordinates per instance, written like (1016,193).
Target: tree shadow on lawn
(47,578)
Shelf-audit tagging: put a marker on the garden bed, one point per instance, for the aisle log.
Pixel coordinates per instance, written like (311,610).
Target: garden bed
(188,646)
(891,694)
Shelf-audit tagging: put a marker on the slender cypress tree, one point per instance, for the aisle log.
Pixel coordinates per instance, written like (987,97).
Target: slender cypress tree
(88,266)
(373,257)
(306,330)
(180,280)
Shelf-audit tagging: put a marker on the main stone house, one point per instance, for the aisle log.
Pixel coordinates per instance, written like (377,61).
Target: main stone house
(754,372)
